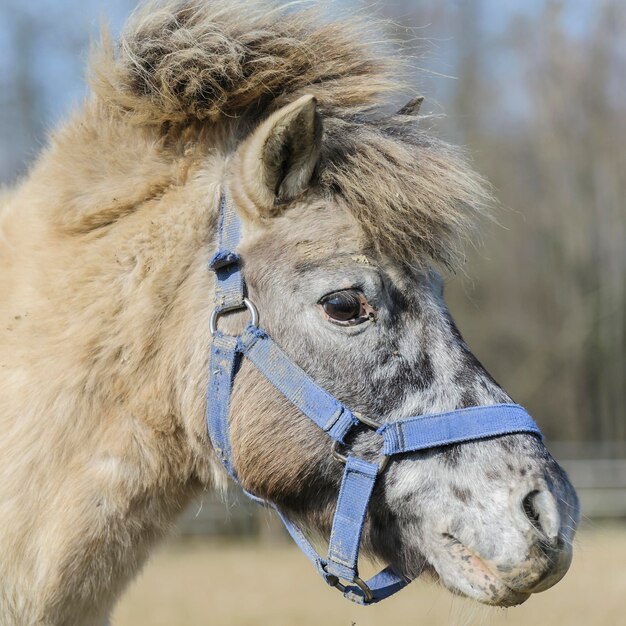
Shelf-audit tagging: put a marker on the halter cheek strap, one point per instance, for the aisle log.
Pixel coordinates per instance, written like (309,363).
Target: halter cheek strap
(332,417)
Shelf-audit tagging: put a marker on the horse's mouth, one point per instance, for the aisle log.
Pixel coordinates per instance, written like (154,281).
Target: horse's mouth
(463,572)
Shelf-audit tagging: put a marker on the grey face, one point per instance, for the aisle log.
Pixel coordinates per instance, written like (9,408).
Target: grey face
(494,519)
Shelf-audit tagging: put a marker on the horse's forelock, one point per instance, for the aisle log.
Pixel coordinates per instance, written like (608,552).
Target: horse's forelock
(206,63)
(415,197)
(216,61)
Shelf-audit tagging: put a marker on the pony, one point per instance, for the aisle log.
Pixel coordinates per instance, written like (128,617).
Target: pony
(347,210)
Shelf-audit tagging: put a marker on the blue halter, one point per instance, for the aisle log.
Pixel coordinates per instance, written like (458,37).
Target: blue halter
(336,420)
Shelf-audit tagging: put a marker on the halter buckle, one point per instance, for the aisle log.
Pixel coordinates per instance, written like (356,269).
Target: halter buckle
(218,312)
(372,425)
(359,582)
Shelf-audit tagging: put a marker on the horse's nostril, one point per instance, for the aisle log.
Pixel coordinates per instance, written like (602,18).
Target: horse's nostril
(541,509)
(529,508)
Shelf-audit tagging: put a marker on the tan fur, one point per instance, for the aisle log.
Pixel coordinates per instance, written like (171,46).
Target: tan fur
(180,63)
(104,293)
(414,197)
(211,60)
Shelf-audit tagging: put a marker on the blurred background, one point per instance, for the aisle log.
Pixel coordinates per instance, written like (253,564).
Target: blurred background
(536,92)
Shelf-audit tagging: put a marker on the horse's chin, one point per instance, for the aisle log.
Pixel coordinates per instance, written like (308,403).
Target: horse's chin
(484,588)
(464,573)
(513,598)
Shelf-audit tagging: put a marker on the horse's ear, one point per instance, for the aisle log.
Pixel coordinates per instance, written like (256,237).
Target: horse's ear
(279,157)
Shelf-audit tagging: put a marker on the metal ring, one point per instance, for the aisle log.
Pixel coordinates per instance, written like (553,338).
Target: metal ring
(367,592)
(217,313)
(370,423)
(360,583)
(342,458)
(366,421)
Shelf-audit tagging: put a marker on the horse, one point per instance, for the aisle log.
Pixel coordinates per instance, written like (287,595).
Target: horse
(347,210)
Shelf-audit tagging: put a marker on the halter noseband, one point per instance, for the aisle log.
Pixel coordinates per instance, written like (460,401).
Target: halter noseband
(336,420)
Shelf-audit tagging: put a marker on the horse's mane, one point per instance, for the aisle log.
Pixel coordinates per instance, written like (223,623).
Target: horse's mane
(231,62)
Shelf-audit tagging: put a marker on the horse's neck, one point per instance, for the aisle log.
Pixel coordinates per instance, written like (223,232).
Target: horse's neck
(99,447)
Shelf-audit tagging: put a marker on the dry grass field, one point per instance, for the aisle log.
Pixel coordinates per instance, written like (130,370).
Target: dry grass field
(203,583)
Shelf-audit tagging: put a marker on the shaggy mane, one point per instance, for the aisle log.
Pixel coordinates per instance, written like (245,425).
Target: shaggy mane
(232,62)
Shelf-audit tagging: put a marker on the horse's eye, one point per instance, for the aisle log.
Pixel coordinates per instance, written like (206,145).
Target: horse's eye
(347,307)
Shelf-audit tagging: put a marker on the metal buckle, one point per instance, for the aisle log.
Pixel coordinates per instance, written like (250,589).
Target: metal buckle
(360,583)
(373,425)
(217,313)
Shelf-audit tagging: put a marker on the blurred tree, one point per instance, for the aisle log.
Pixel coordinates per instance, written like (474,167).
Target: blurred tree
(539,98)
(43,49)
(19,103)
(556,278)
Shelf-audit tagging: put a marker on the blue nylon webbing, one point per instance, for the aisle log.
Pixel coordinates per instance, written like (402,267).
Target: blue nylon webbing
(229,286)
(430,431)
(222,367)
(382,585)
(356,489)
(302,391)
(407,435)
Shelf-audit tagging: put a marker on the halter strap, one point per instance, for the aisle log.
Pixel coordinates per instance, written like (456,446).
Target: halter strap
(332,417)
(442,429)
(303,392)
(229,286)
